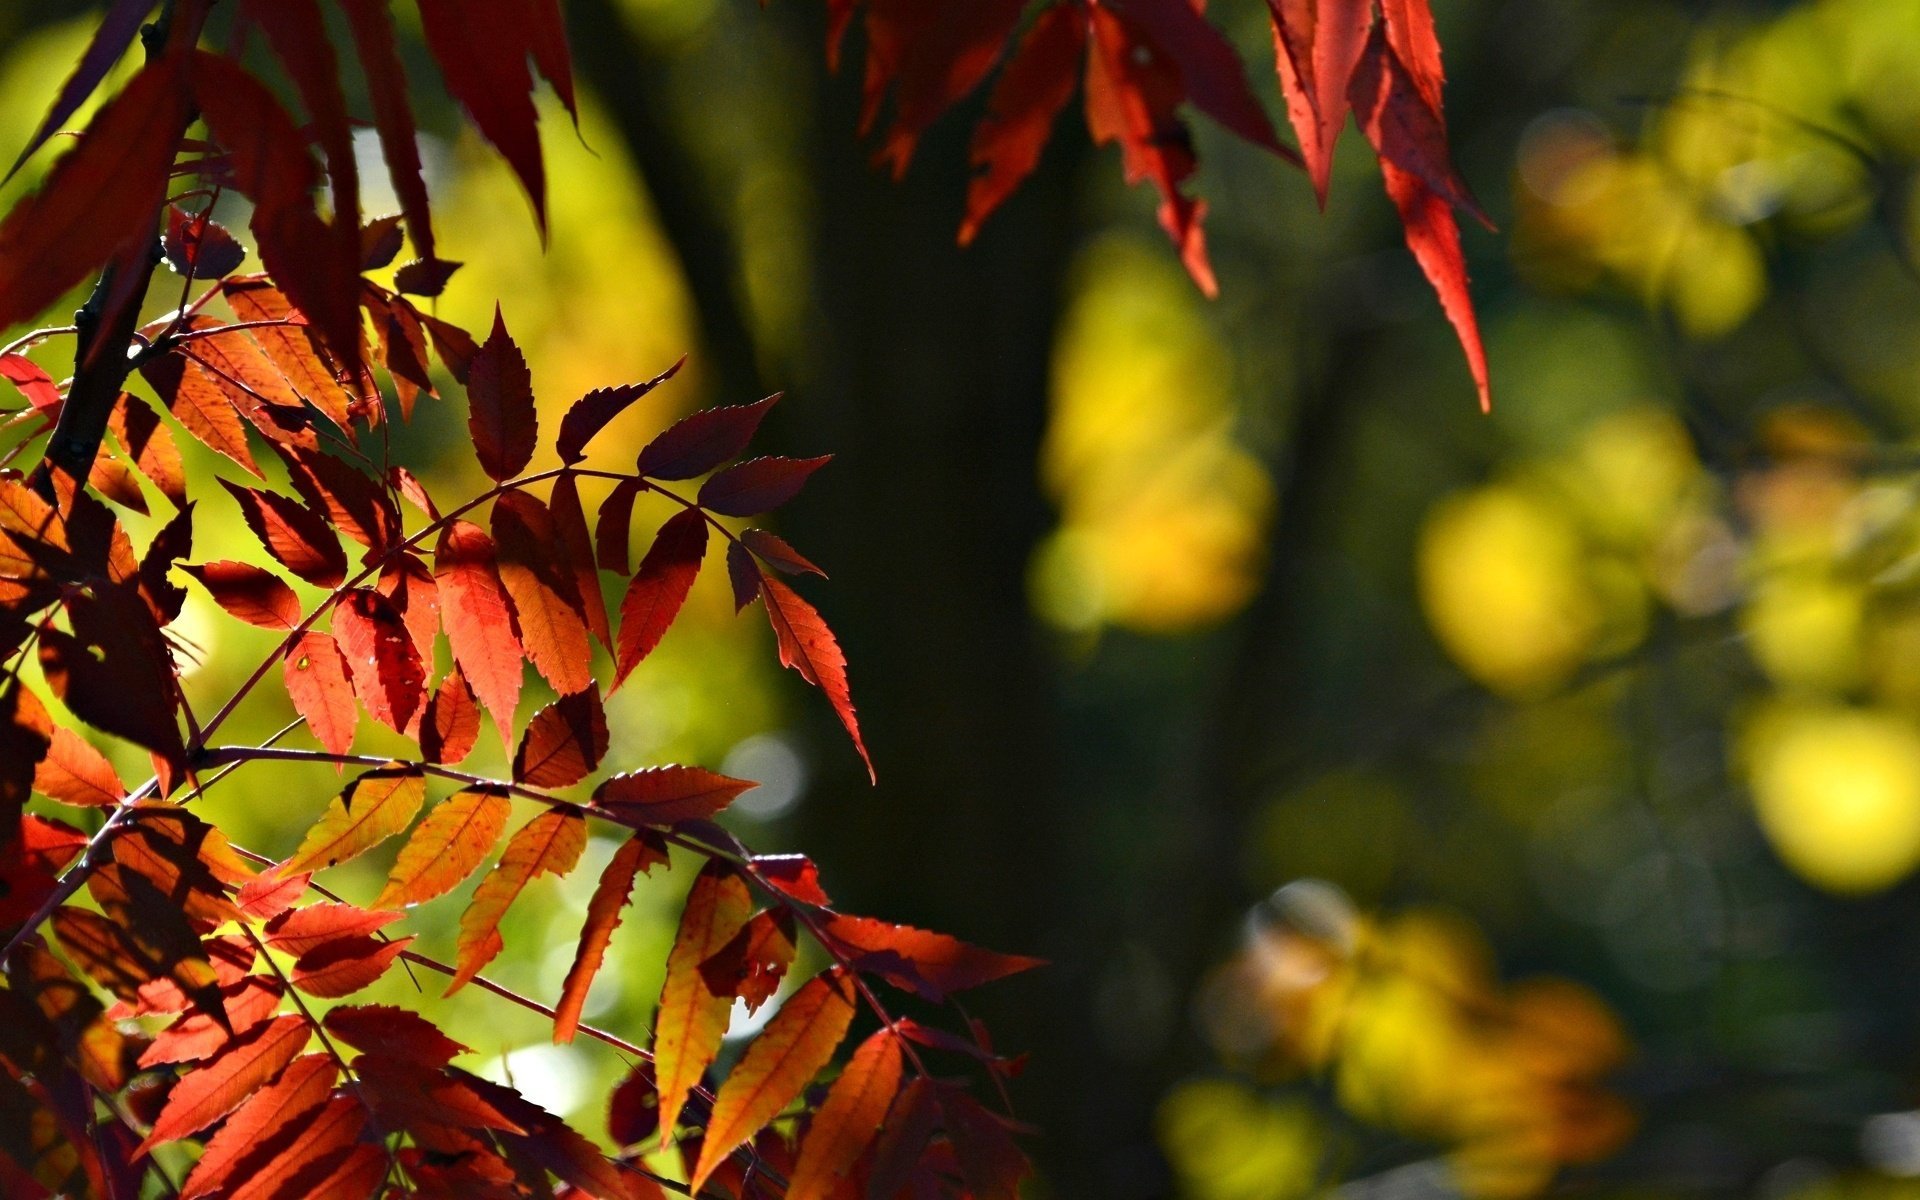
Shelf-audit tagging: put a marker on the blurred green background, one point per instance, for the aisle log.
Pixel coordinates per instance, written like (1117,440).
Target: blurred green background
(1412,803)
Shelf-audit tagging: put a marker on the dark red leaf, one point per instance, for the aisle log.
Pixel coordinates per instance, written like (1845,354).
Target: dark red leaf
(150,445)
(665,795)
(1404,128)
(110,40)
(345,966)
(699,443)
(199,247)
(570,526)
(114,670)
(268,1119)
(316,679)
(795,875)
(1031,91)
(990,1161)
(373,41)
(501,417)
(759,484)
(753,963)
(409,587)
(929,964)
(809,647)
(564,742)
(591,412)
(425,276)
(479,620)
(775,552)
(659,588)
(254,595)
(395,1033)
(380,242)
(481,46)
(382,659)
(297,537)
(742,575)
(1206,65)
(849,1119)
(614,527)
(931,55)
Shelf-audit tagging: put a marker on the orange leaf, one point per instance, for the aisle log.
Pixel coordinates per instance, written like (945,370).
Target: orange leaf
(808,646)
(263,1121)
(223,1084)
(691,1020)
(198,1035)
(253,594)
(296,352)
(479,620)
(344,966)
(297,537)
(382,658)
(664,795)
(450,724)
(564,742)
(752,965)
(550,844)
(303,930)
(638,853)
(389,1032)
(855,1109)
(659,588)
(795,1045)
(334,1129)
(454,839)
(315,675)
(545,601)
(73,772)
(373,808)
(150,445)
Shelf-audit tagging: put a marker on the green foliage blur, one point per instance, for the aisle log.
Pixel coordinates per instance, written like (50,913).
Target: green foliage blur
(1413,804)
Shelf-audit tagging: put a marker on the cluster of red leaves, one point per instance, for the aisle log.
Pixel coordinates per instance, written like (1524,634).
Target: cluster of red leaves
(170,1003)
(1377,60)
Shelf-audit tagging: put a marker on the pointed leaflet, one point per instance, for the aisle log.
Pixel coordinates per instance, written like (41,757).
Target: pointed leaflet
(452,841)
(664,795)
(1031,91)
(388,675)
(198,1036)
(564,741)
(1317,44)
(267,896)
(478,619)
(1434,238)
(198,246)
(795,1045)
(774,551)
(110,41)
(481,46)
(550,844)
(73,772)
(1410,32)
(315,675)
(808,646)
(115,671)
(26,734)
(301,1089)
(372,29)
(758,485)
(196,401)
(222,1085)
(353,502)
(1206,66)
(931,965)
(500,412)
(373,808)
(100,197)
(742,575)
(659,588)
(345,966)
(691,1020)
(297,537)
(302,930)
(288,1165)
(570,527)
(150,445)
(253,594)
(32,381)
(614,527)
(294,350)
(990,1161)
(408,586)
(855,1109)
(450,724)
(641,852)
(931,55)
(591,412)
(699,443)
(794,875)
(396,1033)
(533,568)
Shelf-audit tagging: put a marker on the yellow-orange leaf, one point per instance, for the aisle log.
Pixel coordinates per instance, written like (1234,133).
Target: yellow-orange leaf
(799,1041)
(550,844)
(243,1068)
(73,772)
(641,852)
(456,836)
(374,807)
(691,1020)
(855,1108)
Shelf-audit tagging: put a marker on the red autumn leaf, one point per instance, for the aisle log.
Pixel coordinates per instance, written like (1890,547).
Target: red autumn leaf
(417,1098)
(402,346)
(370,810)
(659,588)
(267,160)
(302,930)
(550,844)
(345,966)
(929,964)
(751,965)
(1406,131)
(691,1019)
(26,733)
(266,896)
(591,412)
(697,444)
(1434,238)
(570,526)
(479,620)
(245,1066)
(546,604)
(372,29)
(633,1110)
(73,772)
(99,198)
(150,445)
(614,527)
(394,1033)
(930,55)
(231,365)
(1206,66)
(114,479)
(199,1036)
(194,398)
(1036,84)
(795,1045)
(638,853)
(665,795)
(1317,44)
(198,246)
(382,659)
(292,1166)
(455,838)
(990,1161)
(759,484)
(32,380)
(380,242)
(450,723)
(259,1124)
(564,741)
(849,1119)
(743,576)
(501,417)
(352,501)
(795,875)
(808,646)
(110,41)
(408,585)
(294,350)
(1410,32)
(903,1142)
(315,676)
(253,594)
(297,537)
(427,277)
(482,51)
(775,552)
